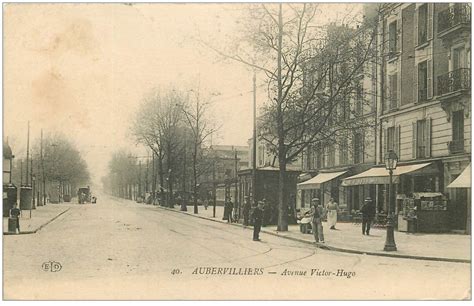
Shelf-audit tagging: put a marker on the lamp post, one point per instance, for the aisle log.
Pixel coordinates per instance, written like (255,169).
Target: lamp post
(391,160)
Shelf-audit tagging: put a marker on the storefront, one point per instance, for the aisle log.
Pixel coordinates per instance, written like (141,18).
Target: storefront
(462,184)
(323,186)
(418,193)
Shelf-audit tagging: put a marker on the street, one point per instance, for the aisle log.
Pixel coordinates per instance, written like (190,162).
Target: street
(118,249)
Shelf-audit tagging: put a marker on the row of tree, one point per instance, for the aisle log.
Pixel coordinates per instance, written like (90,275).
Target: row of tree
(314,77)
(54,162)
(173,125)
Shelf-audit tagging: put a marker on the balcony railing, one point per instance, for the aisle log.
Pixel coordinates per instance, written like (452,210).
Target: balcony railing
(455,15)
(453,81)
(456,146)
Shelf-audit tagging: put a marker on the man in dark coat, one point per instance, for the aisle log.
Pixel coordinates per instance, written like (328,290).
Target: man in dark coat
(246,210)
(15,213)
(368,214)
(257,217)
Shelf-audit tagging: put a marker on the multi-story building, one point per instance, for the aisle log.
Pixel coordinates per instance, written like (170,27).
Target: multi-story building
(350,152)
(424,111)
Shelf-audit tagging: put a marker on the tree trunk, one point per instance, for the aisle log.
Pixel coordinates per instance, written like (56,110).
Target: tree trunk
(195,179)
(160,172)
(282,207)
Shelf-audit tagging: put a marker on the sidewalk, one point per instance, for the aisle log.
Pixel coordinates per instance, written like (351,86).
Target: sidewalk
(40,217)
(348,238)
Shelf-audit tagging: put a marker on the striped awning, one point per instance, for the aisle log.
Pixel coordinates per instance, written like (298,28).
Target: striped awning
(380,175)
(319,179)
(463,180)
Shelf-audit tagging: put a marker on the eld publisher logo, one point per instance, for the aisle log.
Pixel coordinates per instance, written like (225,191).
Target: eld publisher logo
(51,266)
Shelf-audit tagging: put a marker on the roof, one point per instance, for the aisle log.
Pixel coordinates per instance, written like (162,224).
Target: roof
(463,180)
(319,179)
(380,175)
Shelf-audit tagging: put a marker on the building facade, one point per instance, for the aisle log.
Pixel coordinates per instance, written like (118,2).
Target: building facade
(351,151)
(423,113)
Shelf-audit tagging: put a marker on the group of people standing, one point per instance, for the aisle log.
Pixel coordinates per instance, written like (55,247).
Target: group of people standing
(317,213)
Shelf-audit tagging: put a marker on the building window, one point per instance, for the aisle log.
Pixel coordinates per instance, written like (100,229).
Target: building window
(393,83)
(318,157)
(391,139)
(343,156)
(421,138)
(331,156)
(358,148)
(423,24)
(359,99)
(457,144)
(393,38)
(458,58)
(423,81)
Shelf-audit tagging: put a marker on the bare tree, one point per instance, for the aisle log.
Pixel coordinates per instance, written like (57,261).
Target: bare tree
(311,74)
(157,125)
(196,111)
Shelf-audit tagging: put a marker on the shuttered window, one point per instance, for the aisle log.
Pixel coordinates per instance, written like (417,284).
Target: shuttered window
(422,138)
(423,24)
(422,81)
(393,38)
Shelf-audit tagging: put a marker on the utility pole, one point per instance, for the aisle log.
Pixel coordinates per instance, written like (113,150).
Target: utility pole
(33,186)
(27,152)
(153,174)
(21,172)
(214,187)
(184,207)
(139,178)
(42,169)
(236,208)
(254,145)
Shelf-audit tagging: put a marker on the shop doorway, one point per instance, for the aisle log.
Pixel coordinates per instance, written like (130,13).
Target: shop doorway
(459,209)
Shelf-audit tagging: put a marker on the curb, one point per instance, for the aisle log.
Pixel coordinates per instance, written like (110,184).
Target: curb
(335,249)
(40,227)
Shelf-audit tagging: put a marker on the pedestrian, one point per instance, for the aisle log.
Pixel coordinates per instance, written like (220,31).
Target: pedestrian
(368,214)
(206,203)
(257,217)
(332,209)
(230,208)
(317,214)
(246,210)
(15,213)
(267,213)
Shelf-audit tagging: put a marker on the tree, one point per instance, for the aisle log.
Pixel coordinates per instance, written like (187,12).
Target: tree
(61,162)
(158,124)
(198,123)
(122,174)
(311,74)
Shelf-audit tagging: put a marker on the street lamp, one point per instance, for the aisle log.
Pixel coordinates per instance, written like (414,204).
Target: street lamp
(391,160)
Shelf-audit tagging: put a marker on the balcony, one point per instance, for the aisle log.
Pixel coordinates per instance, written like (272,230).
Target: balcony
(454,81)
(456,146)
(454,18)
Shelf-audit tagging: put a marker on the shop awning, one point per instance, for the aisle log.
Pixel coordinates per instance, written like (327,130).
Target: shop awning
(463,180)
(316,181)
(380,175)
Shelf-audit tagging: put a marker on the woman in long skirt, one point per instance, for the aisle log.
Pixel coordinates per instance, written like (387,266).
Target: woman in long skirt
(332,209)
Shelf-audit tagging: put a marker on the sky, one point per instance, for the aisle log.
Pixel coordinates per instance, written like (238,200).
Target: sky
(83,69)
